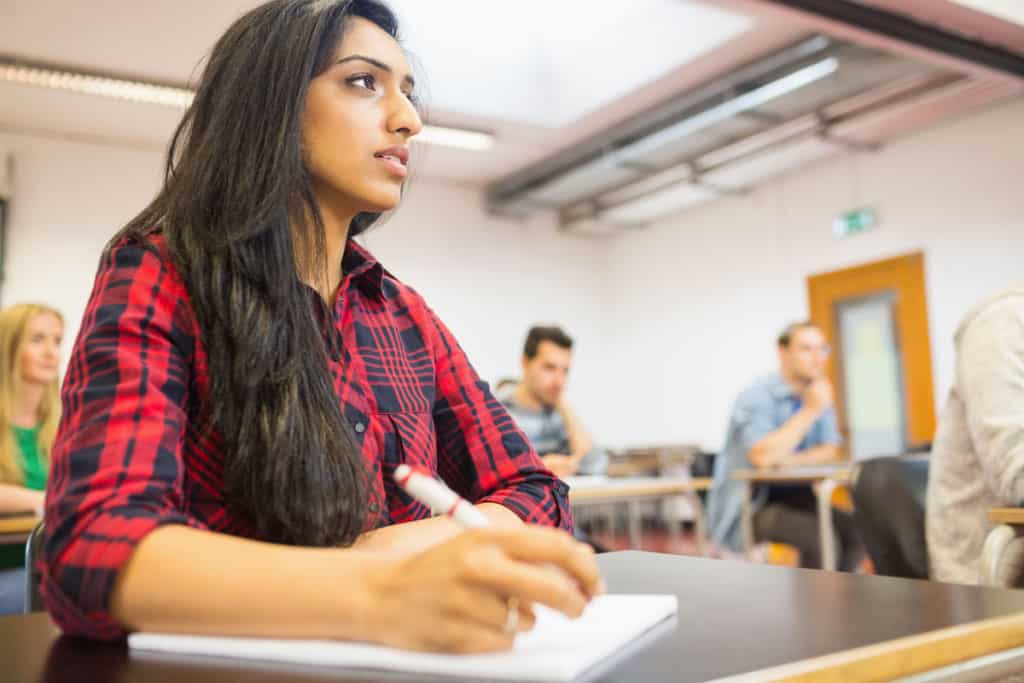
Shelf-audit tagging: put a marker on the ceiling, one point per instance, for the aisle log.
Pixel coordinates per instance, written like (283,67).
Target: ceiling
(539,87)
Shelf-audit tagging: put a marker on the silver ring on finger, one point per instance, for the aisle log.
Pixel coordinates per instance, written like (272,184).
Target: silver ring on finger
(512,619)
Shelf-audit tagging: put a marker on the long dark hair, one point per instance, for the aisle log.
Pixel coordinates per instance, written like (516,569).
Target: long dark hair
(236,184)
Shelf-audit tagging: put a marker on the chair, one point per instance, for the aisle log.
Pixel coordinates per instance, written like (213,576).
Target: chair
(33,598)
(889,498)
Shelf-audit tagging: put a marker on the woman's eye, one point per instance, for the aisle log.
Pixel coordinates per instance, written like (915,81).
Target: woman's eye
(366,81)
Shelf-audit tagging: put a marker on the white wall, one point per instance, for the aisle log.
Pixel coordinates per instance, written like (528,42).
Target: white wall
(68,198)
(488,279)
(698,299)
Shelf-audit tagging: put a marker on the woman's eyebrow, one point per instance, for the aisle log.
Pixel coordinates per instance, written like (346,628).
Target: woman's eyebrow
(408,80)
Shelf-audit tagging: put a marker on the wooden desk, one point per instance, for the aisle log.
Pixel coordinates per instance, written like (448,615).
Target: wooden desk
(1009,526)
(632,491)
(823,481)
(738,622)
(17,529)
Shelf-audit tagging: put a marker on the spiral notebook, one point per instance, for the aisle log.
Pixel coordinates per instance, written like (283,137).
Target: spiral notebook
(557,649)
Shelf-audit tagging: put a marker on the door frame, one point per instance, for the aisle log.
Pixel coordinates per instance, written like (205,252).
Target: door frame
(905,276)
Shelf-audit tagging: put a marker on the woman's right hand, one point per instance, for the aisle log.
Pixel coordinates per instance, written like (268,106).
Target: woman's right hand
(456,596)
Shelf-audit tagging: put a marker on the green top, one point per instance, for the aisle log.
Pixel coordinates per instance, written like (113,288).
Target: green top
(33,472)
(32,468)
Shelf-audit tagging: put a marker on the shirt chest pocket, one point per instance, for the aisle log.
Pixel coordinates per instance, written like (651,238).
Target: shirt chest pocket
(399,370)
(410,439)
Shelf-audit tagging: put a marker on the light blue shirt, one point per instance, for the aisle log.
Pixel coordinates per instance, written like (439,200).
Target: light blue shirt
(761,409)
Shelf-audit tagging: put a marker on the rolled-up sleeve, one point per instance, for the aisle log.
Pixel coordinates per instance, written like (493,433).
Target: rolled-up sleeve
(116,466)
(482,453)
(754,418)
(829,429)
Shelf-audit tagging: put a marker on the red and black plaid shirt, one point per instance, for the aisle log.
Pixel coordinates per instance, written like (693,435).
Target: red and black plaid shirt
(130,454)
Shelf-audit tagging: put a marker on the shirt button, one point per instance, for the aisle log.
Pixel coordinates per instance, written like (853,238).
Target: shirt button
(374,507)
(360,427)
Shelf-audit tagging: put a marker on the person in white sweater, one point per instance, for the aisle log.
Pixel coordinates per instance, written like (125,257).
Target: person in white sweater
(978,457)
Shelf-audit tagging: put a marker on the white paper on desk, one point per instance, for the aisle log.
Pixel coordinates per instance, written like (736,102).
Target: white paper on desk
(557,649)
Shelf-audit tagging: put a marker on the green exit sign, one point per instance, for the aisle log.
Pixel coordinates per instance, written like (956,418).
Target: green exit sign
(854,222)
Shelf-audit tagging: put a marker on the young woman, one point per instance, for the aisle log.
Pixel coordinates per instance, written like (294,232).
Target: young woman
(30,339)
(247,379)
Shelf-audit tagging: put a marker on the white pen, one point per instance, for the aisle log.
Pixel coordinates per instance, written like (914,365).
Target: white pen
(433,493)
(438,497)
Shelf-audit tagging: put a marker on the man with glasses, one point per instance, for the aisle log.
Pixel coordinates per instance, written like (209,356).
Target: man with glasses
(783,420)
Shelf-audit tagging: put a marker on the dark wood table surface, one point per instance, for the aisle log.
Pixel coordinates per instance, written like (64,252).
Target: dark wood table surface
(734,618)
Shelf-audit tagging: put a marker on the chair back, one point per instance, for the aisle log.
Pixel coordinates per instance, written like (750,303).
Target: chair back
(33,577)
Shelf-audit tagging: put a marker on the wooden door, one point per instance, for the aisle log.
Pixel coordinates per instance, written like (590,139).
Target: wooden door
(889,297)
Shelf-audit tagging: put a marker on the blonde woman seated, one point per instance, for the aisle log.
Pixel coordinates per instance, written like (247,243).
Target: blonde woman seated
(30,339)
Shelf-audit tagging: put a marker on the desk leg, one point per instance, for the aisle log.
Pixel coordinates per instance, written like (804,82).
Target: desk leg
(747,519)
(698,523)
(996,543)
(827,538)
(673,523)
(609,512)
(633,508)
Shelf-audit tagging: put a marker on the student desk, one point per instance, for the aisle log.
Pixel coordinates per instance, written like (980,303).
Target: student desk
(631,491)
(1009,526)
(16,528)
(823,481)
(738,622)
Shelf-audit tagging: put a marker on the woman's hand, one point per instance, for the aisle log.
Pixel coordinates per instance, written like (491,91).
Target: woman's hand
(456,597)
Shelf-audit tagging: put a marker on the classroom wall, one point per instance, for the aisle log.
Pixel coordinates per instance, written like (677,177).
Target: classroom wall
(698,299)
(671,322)
(488,279)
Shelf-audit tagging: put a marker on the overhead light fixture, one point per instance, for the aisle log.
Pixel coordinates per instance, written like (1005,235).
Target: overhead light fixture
(659,204)
(773,161)
(623,165)
(1010,10)
(649,185)
(91,84)
(601,174)
(745,102)
(176,97)
(473,140)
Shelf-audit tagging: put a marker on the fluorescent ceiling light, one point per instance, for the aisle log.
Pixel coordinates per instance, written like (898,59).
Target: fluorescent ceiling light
(601,174)
(472,140)
(614,168)
(654,183)
(180,98)
(87,84)
(1011,10)
(658,205)
(773,162)
(751,100)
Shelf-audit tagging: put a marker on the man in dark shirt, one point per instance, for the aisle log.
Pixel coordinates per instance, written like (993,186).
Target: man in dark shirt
(538,406)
